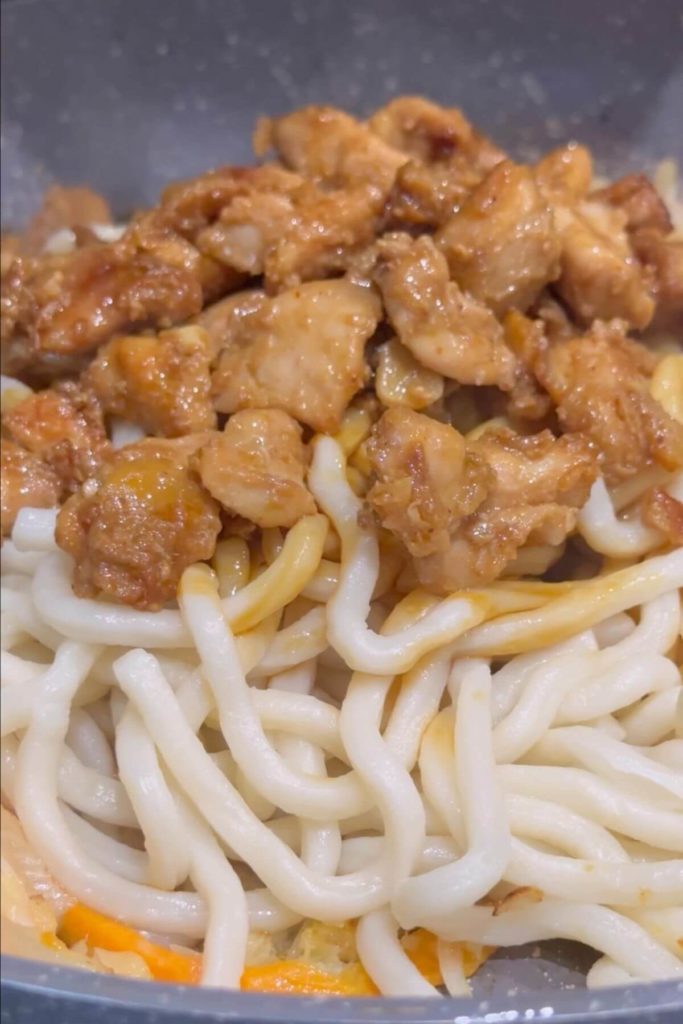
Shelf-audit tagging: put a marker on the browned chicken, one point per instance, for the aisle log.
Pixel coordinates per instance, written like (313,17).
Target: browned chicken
(255,468)
(639,201)
(56,309)
(25,481)
(424,480)
(525,338)
(161,382)
(540,482)
(221,321)
(663,259)
(135,528)
(600,386)
(446,330)
(64,427)
(301,352)
(330,147)
(502,245)
(431,134)
(564,175)
(401,380)
(664,512)
(463,510)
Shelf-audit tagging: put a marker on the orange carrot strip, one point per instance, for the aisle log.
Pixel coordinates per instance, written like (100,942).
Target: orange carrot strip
(81,922)
(296,977)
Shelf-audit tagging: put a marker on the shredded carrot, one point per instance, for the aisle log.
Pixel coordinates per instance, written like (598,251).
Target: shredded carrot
(296,977)
(81,922)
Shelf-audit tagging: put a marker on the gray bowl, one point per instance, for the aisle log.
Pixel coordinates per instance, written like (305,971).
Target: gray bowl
(127,95)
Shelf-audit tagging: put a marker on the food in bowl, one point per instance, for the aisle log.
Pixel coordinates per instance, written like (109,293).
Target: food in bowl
(342,504)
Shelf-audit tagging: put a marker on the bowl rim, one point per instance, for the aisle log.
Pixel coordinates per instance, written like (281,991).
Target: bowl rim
(30,978)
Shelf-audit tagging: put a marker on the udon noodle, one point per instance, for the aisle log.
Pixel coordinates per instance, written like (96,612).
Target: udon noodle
(401,760)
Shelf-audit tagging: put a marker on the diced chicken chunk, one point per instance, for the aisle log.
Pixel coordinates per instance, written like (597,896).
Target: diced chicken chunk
(64,427)
(446,330)
(146,518)
(639,200)
(663,259)
(301,352)
(255,468)
(25,482)
(331,147)
(424,480)
(432,133)
(601,278)
(600,385)
(161,382)
(502,245)
(222,320)
(463,510)
(565,174)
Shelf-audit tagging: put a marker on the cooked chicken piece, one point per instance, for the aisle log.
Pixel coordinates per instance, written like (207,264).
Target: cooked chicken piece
(255,468)
(331,147)
(302,352)
(539,483)
(401,380)
(221,321)
(502,245)
(639,200)
(161,382)
(64,208)
(525,338)
(294,238)
(432,133)
(600,277)
(191,205)
(424,480)
(64,427)
(600,385)
(135,529)
(565,174)
(25,482)
(663,259)
(427,195)
(463,510)
(446,330)
(554,317)
(664,512)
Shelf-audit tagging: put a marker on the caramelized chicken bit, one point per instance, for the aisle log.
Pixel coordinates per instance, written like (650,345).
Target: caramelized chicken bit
(424,480)
(539,483)
(565,174)
(600,385)
(222,320)
(446,330)
(526,339)
(330,147)
(162,382)
(64,427)
(663,258)
(62,207)
(301,352)
(502,245)
(639,200)
(431,133)
(25,482)
(601,278)
(664,512)
(255,468)
(143,521)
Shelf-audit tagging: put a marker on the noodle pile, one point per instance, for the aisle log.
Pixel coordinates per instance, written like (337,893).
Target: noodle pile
(303,740)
